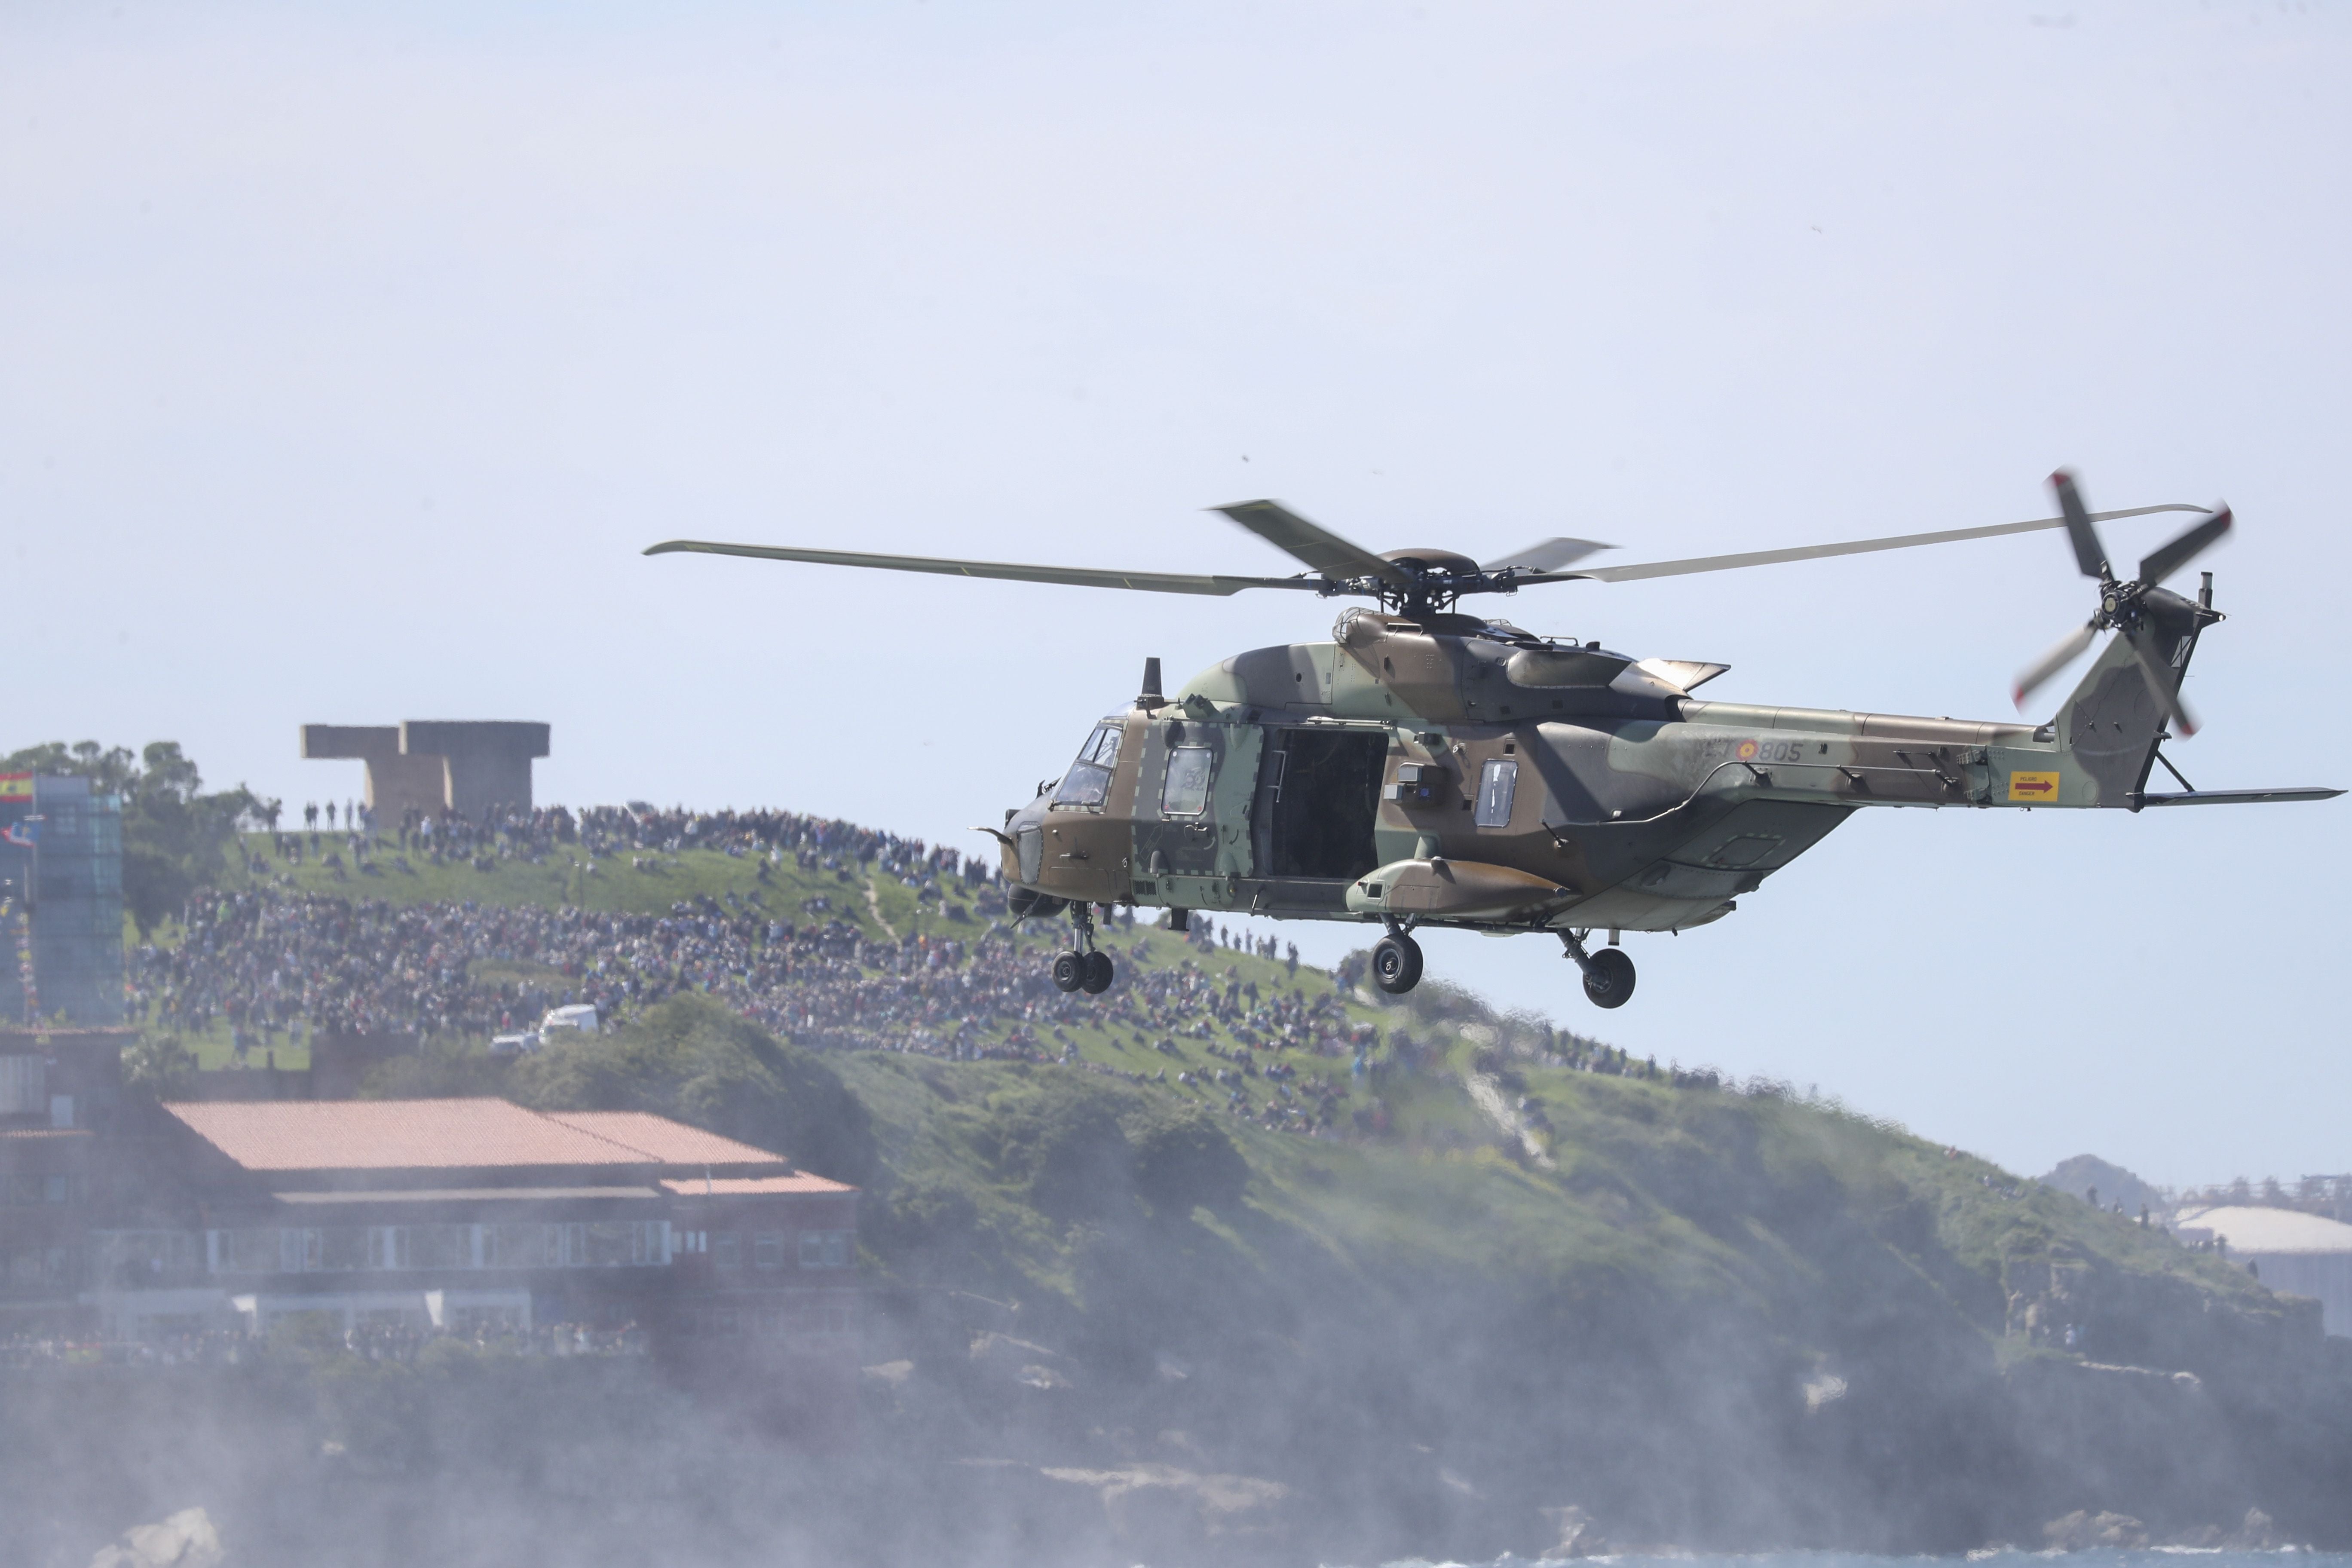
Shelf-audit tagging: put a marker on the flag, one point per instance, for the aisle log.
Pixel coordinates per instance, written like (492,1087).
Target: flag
(23,835)
(16,786)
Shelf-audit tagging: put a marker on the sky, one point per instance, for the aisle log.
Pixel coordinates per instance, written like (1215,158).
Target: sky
(349,358)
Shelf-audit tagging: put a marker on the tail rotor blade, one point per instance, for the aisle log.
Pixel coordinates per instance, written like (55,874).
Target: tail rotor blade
(2166,558)
(2089,553)
(2051,663)
(2161,685)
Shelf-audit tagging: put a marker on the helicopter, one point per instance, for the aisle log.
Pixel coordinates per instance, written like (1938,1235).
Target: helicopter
(1430,767)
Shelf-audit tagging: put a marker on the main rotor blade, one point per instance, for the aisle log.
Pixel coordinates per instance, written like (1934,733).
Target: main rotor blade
(2165,687)
(1072,576)
(2166,558)
(1547,556)
(2089,553)
(1816,552)
(2030,679)
(1321,549)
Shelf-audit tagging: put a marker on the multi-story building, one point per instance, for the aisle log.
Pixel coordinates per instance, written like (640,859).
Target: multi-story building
(459,1214)
(60,901)
(60,1100)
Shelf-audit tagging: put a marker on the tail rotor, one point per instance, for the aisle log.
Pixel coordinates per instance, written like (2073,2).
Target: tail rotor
(2142,611)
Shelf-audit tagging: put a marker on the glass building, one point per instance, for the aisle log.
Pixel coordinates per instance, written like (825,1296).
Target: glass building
(61,843)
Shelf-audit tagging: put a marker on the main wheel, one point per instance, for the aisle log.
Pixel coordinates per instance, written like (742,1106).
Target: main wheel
(1070,971)
(1396,964)
(1610,982)
(1097,979)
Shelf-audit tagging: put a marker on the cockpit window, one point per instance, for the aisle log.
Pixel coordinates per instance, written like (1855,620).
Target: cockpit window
(1186,793)
(1088,780)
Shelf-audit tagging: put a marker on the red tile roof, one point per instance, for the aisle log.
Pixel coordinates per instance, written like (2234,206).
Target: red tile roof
(752,1186)
(670,1143)
(425,1134)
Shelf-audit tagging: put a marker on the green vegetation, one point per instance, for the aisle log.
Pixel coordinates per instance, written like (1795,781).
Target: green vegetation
(175,837)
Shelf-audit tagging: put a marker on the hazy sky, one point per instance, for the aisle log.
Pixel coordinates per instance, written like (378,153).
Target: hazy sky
(348,360)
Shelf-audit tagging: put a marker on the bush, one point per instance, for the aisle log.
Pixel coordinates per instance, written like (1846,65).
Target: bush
(691,1059)
(1184,1161)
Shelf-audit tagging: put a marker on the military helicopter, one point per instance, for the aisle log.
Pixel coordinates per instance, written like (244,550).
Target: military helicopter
(1428,768)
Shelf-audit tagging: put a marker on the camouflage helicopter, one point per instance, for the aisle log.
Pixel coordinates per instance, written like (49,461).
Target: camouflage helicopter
(1427,767)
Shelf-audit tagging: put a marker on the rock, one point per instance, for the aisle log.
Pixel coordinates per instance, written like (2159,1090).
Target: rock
(1160,1504)
(889,1374)
(1579,1536)
(186,1540)
(2255,1534)
(2081,1531)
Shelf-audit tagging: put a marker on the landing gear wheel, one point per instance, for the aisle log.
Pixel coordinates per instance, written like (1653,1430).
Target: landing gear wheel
(1070,971)
(1396,964)
(1097,977)
(1609,978)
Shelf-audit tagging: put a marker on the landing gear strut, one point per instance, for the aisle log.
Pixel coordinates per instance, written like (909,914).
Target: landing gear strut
(1396,961)
(1608,974)
(1085,967)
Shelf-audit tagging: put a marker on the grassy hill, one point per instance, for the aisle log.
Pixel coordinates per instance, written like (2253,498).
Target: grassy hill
(1498,1282)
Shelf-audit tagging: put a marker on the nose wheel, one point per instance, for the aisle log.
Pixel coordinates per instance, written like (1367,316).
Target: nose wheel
(1608,974)
(1085,967)
(1396,964)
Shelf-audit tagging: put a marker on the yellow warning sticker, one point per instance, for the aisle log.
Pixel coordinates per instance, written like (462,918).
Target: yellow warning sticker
(2033,786)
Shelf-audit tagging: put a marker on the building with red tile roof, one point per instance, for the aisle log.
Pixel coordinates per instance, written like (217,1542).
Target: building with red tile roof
(477,1215)
(350,1136)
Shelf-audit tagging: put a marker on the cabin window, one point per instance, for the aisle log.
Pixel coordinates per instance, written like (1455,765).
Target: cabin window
(1498,782)
(1186,793)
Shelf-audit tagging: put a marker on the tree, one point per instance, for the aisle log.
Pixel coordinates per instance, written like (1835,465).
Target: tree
(174,837)
(693,1059)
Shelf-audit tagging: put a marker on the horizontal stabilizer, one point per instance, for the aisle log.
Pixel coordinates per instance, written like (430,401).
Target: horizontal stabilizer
(2237,796)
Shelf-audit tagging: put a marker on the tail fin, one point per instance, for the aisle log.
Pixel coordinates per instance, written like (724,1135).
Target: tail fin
(2111,724)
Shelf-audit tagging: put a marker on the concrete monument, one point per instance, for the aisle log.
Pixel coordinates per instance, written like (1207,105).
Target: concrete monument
(436,766)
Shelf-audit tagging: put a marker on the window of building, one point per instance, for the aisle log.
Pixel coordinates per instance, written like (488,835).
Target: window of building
(612,1243)
(1498,782)
(822,1318)
(441,1247)
(389,1246)
(248,1251)
(824,1249)
(767,1249)
(728,1250)
(1186,791)
(343,1246)
(522,1245)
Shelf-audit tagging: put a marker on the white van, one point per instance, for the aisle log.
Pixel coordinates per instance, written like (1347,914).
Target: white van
(580,1016)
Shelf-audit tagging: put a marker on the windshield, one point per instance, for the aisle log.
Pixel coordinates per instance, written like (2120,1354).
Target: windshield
(1088,780)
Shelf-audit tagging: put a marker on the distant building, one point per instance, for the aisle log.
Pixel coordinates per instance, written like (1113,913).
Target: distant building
(59,1100)
(433,767)
(61,859)
(2294,1253)
(457,1216)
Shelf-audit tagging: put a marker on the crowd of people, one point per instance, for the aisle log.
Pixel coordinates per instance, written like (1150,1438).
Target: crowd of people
(278,966)
(638,828)
(282,965)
